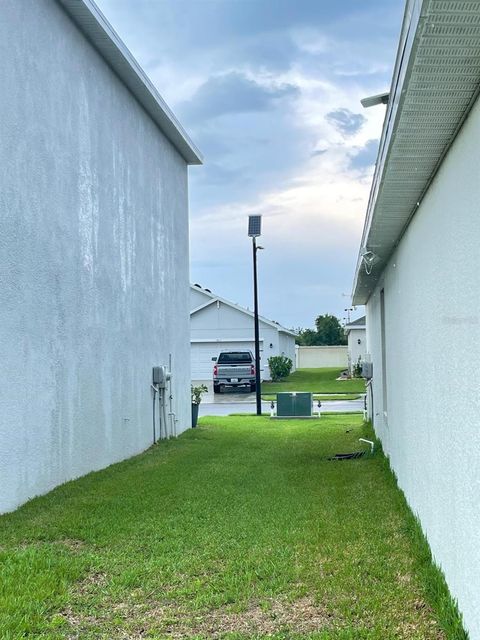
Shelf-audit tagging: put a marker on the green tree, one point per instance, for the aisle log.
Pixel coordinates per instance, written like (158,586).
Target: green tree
(329,330)
(307,337)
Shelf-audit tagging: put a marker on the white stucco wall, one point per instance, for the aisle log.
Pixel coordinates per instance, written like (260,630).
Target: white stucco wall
(197,298)
(432,336)
(355,350)
(287,347)
(93,259)
(318,357)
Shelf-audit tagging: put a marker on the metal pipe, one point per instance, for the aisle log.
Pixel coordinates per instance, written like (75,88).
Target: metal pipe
(370,386)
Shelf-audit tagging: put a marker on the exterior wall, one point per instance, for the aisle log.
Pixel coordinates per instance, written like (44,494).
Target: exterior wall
(430,424)
(287,347)
(197,298)
(317,357)
(94,259)
(355,350)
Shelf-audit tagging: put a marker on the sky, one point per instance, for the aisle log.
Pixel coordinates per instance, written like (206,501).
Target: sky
(270,90)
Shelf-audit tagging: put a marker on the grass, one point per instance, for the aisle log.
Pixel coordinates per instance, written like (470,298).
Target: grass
(320,396)
(316,381)
(240,529)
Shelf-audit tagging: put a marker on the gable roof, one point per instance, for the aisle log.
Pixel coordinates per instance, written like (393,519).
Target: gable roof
(214,298)
(435,83)
(101,35)
(359,323)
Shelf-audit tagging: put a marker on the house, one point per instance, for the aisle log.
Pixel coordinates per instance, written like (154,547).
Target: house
(217,324)
(356,333)
(94,248)
(418,274)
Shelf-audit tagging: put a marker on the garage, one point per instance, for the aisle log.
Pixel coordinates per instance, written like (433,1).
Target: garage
(203,352)
(217,324)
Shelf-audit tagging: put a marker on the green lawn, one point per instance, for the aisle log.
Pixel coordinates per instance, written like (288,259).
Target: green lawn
(240,529)
(317,381)
(320,396)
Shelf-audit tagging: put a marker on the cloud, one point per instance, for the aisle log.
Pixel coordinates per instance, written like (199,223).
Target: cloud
(318,152)
(346,122)
(231,93)
(259,91)
(366,156)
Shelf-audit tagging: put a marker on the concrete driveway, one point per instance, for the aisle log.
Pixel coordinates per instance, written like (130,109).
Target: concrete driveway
(242,401)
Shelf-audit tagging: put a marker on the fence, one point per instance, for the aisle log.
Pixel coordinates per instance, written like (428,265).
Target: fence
(316,357)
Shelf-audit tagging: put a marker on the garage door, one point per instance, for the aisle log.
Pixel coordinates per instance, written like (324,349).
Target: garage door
(203,352)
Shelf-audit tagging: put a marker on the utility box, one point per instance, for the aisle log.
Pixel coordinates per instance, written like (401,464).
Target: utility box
(160,376)
(367,370)
(294,405)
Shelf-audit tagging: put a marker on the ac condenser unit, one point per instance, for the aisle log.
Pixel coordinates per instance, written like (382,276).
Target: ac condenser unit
(294,405)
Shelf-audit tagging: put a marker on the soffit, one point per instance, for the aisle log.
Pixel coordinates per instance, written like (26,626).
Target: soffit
(435,84)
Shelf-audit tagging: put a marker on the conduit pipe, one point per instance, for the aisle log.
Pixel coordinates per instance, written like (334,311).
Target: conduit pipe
(154,426)
(372,444)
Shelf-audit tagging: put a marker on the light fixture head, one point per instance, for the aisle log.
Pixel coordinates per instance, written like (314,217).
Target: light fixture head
(372,101)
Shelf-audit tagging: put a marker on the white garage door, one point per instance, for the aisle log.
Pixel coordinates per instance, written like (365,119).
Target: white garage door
(203,352)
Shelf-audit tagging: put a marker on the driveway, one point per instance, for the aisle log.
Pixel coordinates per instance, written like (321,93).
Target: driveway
(242,401)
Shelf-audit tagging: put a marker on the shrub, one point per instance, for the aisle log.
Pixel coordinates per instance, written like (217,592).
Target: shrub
(357,368)
(197,393)
(280,367)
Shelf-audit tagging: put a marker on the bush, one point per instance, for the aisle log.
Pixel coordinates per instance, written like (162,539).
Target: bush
(357,368)
(280,367)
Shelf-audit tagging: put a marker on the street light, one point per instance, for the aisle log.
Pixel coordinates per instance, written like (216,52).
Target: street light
(254,231)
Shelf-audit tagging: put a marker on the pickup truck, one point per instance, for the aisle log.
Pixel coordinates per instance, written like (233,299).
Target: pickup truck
(234,369)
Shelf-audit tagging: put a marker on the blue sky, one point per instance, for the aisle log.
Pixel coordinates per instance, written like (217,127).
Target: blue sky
(270,91)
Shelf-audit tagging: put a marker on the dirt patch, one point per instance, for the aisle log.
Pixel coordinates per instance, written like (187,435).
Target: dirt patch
(300,616)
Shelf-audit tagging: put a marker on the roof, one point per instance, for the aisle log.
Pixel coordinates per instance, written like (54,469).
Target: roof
(435,83)
(215,298)
(359,323)
(95,27)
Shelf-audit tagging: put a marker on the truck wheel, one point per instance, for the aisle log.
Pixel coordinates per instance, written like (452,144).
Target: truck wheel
(216,388)
(253,387)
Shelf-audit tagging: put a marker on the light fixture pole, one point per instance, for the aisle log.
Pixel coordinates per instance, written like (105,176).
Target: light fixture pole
(254,230)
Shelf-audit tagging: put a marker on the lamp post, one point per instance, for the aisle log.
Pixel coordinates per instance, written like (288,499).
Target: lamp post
(254,231)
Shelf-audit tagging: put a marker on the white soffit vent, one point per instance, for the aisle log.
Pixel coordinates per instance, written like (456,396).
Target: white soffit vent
(435,83)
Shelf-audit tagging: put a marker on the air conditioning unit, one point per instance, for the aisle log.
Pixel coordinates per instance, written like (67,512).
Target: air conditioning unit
(294,405)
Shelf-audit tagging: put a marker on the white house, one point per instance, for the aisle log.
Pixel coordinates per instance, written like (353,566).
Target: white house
(356,332)
(94,248)
(419,275)
(217,324)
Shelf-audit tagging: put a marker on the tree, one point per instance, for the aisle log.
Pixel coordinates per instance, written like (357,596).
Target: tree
(329,330)
(307,337)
